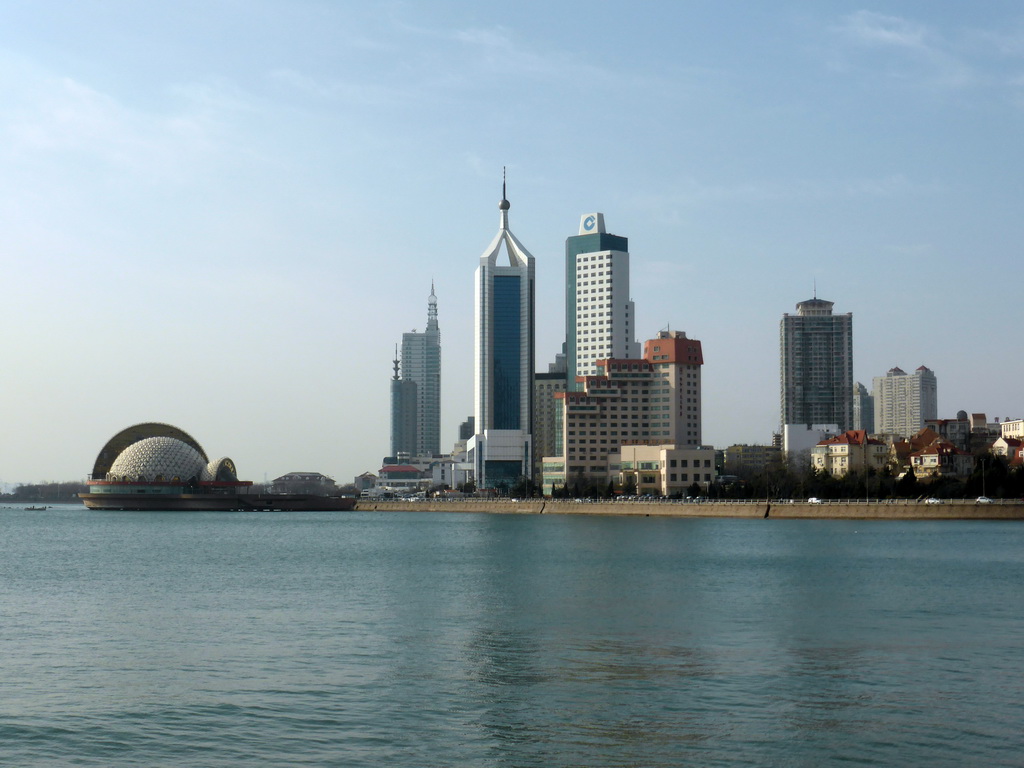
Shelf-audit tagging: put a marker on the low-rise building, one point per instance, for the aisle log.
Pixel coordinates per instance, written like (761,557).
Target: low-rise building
(364,481)
(403,478)
(746,460)
(852,451)
(957,431)
(799,439)
(983,433)
(1007,447)
(665,470)
(1012,428)
(941,459)
(303,482)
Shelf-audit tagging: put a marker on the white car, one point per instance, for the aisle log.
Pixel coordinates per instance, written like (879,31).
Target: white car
(932,501)
(983,500)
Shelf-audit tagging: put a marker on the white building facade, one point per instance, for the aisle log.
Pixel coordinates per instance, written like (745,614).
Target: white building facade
(599,314)
(504,333)
(903,403)
(666,470)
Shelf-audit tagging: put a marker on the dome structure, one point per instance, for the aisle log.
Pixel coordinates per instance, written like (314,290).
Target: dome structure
(158,459)
(127,437)
(220,471)
(159,467)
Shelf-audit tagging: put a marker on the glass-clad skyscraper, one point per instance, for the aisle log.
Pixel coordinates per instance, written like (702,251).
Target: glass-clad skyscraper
(501,449)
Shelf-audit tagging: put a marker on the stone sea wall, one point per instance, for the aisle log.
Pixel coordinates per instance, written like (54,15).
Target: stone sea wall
(853,510)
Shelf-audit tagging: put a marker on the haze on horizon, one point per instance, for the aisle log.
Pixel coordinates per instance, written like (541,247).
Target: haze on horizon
(223,215)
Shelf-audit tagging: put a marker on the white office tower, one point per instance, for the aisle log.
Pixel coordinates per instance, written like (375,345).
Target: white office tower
(904,403)
(599,314)
(501,449)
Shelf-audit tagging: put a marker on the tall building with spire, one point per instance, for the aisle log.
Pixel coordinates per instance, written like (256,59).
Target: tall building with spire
(599,314)
(503,342)
(421,364)
(816,354)
(403,413)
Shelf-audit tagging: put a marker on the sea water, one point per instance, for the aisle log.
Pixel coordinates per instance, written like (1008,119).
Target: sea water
(423,639)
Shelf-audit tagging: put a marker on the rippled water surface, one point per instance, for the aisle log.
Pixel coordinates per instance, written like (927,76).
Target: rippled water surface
(420,639)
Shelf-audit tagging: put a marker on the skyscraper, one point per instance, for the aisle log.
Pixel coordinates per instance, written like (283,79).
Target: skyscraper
(816,352)
(403,413)
(903,403)
(421,363)
(599,315)
(863,408)
(501,449)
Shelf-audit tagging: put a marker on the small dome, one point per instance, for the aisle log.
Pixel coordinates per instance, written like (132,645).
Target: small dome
(222,470)
(504,205)
(158,458)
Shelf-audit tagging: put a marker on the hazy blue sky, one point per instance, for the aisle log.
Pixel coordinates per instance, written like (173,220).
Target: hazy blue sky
(223,214)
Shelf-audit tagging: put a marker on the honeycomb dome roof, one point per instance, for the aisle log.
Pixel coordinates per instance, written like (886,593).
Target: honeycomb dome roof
(116,445)
(158,458)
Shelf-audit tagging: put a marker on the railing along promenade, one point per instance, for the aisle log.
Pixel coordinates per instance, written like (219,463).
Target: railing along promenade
(853,509)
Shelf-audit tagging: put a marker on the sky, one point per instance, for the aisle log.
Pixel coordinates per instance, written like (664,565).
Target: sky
(222,215)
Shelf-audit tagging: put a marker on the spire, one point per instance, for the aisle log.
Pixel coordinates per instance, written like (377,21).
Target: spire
(504,205)
(395,377)
(518,256)
(432,310)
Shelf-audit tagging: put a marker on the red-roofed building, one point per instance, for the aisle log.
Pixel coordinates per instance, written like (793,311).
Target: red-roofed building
(941,459)
(403,477)
(852,451)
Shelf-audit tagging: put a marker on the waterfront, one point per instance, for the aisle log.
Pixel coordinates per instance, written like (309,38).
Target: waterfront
(432,639)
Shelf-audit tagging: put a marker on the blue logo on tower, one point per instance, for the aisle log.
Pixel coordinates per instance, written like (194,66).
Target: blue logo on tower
(592,223)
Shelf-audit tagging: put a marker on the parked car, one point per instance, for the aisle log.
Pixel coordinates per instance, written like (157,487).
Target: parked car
(983,500)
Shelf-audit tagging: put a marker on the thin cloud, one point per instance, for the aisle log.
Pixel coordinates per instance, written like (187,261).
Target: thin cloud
(693,192)
(47,116)
(905,50)
(877,29)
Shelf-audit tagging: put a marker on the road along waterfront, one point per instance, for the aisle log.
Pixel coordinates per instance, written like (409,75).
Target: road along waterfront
(896,509)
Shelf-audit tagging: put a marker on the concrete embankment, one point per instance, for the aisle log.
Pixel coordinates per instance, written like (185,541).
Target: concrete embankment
(852,510)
